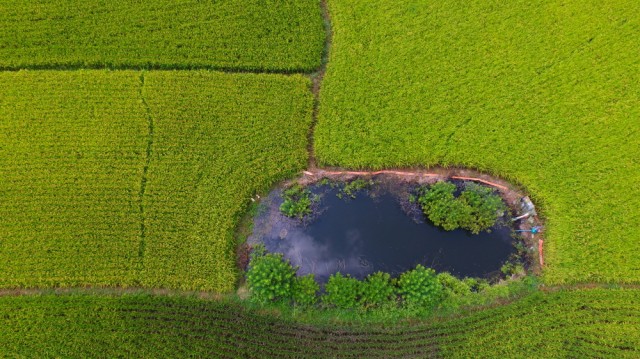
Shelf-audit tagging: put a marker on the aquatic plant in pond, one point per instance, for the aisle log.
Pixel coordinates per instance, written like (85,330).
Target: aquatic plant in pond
(349,189)
(476,209)
(297,201)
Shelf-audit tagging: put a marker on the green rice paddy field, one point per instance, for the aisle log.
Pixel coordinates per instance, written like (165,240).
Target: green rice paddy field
(129,178)
(544,93)
(231,34)
(131,145)
(576,324)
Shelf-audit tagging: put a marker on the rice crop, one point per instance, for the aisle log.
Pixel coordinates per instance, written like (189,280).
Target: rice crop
(585,323)
(283,36)
(128,178)
(542,93)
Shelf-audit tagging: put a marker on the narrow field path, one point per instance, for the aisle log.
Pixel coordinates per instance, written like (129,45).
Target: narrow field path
(145,171)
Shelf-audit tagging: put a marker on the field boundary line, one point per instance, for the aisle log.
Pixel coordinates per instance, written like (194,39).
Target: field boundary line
(228,70)
(145,171)
(316,80)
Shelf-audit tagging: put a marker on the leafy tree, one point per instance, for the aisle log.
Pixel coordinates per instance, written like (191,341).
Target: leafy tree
(341,291)
(376,290)
(305,289)
(270,278)
(420,288)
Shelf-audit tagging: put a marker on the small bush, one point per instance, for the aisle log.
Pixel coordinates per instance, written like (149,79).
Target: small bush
(305,289)
(441,207)
(485,207)
(377,290)
(341,291)
(453,286)
(420,288)
(270,278)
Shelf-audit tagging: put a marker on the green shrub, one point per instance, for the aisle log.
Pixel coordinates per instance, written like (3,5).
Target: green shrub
(453,286)
(305,289)
(296,201)
(486,207)
(341,291)
(476,284)
(376,290)
(511,268)
(270,278)
(441,207)
(476,209)
(420,288)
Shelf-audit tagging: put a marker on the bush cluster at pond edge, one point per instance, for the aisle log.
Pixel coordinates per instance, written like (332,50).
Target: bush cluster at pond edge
(476,209)
(272,279)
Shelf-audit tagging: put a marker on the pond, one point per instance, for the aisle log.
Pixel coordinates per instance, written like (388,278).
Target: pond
(376,231)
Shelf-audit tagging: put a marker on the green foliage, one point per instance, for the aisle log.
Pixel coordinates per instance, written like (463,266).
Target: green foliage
(420,287)
(119,178)
(377,290)
(486,206)
(297,201)
(441,207)
(230,34)
(257,250)
(510,268)
(341,291)
(543,93)
(453,286)
(476,209)
(582,323)
(350,189)
(270,278)
(305,289)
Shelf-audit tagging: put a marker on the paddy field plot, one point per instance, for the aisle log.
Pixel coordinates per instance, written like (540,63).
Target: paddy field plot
(232,34)
(126,178)
(543,93)
(588,323)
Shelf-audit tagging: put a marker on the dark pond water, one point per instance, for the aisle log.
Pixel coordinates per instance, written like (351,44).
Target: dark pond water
(363,235)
